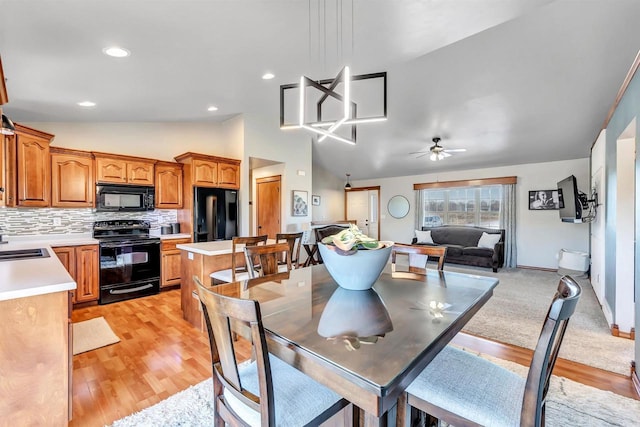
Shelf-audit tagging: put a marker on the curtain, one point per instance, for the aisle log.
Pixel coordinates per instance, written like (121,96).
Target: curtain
(508,222)
(418,210)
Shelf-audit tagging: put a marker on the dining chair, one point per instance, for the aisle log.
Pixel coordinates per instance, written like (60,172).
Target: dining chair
(266,391)
(418,256)
(237,272)
(295,242)
(327,230)
(264,260)
(463,389)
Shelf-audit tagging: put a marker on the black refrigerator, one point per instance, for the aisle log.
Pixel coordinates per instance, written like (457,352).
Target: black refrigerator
(215,214)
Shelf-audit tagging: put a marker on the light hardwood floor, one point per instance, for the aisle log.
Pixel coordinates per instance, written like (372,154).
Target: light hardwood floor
(161,354)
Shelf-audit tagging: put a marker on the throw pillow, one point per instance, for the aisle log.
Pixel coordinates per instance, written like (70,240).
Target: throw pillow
(488,240)
(424,237)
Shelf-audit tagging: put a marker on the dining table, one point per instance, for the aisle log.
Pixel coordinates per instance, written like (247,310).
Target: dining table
(367,346)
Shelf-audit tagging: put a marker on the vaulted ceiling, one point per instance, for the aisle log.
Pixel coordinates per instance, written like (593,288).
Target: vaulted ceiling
(512,81)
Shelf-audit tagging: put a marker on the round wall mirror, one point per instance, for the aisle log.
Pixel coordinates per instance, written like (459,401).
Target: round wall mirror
(398,206)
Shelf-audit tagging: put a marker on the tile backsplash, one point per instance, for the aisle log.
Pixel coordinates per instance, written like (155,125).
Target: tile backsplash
(24,221)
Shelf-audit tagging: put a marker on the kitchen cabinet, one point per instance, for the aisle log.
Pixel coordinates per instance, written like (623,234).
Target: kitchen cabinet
(168,185)
(35,360)
(72,178)
(209,171)
(117,169)
(171,264)
(27,168)
(82,264)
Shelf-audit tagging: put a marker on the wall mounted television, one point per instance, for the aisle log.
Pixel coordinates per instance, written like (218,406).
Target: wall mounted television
(570,203)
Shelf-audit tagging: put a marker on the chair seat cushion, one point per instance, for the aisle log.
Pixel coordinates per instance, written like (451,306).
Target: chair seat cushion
(298,399)
(471,387)
(225,275)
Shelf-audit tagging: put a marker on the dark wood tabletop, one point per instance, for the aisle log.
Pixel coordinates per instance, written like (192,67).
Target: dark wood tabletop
(366,345)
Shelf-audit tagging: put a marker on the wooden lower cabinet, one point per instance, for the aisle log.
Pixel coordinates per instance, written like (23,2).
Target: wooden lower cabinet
(82,264)
(170,273)
(35,360)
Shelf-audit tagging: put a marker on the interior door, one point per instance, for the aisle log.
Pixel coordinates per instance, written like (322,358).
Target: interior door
(268,206)
(362,205)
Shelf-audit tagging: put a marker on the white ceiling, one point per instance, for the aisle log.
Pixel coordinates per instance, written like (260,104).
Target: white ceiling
(512,81)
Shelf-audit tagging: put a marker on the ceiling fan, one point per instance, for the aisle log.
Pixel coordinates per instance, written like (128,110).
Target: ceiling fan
(437,151)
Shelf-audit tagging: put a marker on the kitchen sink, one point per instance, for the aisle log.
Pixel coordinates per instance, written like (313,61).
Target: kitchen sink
(23,254)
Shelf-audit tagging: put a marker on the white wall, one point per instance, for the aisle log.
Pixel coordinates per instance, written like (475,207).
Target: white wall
(331,191)
(540,234)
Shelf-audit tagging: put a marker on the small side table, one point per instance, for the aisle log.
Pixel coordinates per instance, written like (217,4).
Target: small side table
(311,249)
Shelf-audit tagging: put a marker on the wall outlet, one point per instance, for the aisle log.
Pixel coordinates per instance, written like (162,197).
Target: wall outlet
(57,221)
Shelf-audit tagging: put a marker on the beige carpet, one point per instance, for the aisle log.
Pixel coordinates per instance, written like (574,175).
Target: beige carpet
(517,309)
(92,334)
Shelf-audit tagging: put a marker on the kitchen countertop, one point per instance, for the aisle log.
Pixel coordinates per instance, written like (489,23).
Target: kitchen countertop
(54,240)
(30,277)
(172,236)
(218,247)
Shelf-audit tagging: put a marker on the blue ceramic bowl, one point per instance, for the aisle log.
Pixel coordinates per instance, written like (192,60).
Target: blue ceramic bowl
(358,271)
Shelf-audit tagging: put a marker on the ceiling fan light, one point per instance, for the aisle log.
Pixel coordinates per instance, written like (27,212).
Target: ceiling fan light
(433,157)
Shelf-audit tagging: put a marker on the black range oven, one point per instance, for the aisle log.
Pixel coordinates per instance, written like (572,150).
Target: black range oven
(129,260)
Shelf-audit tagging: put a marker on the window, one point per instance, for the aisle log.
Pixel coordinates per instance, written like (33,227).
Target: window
(478,206)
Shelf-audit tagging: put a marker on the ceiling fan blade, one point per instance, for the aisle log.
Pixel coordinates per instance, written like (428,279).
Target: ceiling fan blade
(418,152)
(422,154)
(456,150)
(445,154)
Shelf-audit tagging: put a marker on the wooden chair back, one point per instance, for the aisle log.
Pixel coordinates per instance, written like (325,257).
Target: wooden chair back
(219,313)
(415,252)
(294,240)
(246,241)
(263,260)
(327,230)
(546,352)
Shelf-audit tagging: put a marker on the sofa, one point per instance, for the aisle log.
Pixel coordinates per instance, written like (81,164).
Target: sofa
(466,245)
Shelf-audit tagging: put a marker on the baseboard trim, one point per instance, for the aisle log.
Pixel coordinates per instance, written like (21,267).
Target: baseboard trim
(634,378)
(530,267)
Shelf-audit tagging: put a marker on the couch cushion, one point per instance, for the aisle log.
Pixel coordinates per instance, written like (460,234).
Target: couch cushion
(454,250)
(462,236)
(475,251)
(488,240)
(424,237)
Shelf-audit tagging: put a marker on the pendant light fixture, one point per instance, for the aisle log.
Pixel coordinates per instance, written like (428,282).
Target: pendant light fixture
(347,186)
(7,125)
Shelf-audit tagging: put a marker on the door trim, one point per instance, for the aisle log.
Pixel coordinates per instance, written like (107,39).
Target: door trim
(354,189)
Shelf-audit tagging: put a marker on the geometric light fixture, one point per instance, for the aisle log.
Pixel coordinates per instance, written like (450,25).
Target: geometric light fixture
(328,89)
(347,186)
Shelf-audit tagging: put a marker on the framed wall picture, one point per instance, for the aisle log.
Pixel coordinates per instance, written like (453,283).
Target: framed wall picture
(315,200)
(300,203)
(544,200)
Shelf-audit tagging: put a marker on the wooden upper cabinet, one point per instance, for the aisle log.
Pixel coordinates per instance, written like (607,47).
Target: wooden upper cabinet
(168,185)
(116,169)
(228,175)
(33,167)
(202,170)
(205,173)
(111,170)
(72,184)
(140,173)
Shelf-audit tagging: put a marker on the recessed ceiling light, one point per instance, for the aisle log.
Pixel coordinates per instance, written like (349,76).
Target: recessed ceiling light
(212,108)
(116,52)
(87,104)
(268,76)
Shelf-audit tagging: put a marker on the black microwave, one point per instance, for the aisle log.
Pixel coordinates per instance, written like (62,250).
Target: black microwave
(124,198)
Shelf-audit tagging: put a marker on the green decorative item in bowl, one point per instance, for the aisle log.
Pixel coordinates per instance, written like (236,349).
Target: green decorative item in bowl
(353,259)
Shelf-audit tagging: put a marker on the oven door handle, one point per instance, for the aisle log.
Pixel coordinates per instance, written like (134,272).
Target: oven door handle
(126,291)
(127,243)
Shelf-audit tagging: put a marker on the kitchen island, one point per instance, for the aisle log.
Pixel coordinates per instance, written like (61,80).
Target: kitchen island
(202,259)
(35,355)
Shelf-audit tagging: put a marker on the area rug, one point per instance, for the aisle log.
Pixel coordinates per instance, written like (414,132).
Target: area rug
(515,313)
(569,404)
(91,334)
